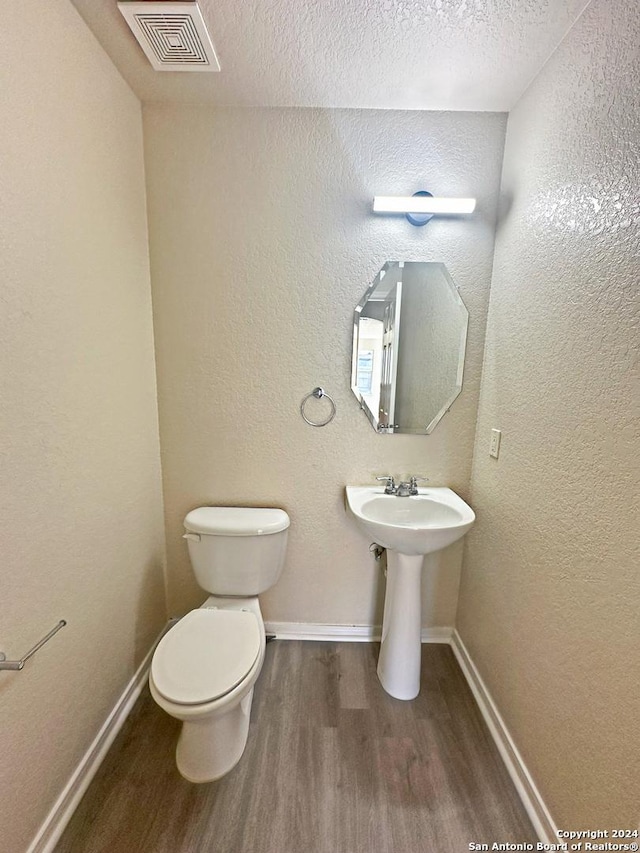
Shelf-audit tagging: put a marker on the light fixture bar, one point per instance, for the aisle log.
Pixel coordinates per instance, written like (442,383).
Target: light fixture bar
(422,204)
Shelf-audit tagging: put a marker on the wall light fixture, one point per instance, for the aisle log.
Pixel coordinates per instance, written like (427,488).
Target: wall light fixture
(422,206)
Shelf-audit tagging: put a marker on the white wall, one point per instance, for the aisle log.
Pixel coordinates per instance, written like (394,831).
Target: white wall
(551,589)
(81,520)
(262,243)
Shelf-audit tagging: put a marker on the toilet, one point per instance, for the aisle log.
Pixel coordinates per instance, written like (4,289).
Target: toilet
(204,668)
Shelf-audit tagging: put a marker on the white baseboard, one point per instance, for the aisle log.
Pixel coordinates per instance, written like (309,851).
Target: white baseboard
(64,807)
(525,786)
(345,633)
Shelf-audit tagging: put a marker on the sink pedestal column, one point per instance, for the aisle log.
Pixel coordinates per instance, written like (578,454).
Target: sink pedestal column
(400,652)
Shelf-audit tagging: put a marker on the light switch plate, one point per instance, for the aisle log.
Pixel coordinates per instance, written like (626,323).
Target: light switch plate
(494,447)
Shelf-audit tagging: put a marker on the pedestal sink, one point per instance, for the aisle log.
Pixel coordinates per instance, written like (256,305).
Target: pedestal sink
(409,528)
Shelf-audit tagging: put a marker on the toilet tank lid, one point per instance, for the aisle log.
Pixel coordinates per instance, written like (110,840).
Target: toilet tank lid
(236,520)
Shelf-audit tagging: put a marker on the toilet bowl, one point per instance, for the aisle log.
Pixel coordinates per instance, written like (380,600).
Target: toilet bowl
(204,668)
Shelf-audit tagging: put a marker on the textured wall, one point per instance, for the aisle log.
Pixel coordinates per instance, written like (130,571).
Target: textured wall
(550,593)
(262,243)
(81,519)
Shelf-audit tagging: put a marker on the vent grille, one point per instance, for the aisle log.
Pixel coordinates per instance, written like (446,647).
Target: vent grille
(173,35)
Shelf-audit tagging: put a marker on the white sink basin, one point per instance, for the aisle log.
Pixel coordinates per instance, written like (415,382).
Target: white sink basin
(414,525)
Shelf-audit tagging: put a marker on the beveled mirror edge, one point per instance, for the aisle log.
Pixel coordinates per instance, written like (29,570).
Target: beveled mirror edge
(461,357)
(373,418)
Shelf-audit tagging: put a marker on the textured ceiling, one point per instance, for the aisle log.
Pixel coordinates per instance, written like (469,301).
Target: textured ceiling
(385,54)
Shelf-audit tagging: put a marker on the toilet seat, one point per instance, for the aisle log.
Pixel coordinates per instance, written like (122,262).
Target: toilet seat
(205,655)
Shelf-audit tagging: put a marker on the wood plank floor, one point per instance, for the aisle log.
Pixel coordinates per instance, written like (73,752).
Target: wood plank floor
(333,765)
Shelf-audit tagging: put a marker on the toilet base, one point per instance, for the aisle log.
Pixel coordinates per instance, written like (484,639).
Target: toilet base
(210,747)
(214,735)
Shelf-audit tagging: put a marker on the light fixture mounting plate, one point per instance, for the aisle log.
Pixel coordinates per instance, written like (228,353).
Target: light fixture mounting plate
(420,218)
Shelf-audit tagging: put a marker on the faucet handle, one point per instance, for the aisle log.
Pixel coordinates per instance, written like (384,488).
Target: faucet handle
(413,482)
(390,488)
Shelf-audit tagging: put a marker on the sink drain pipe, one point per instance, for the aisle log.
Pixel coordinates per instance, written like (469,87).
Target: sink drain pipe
(378,552)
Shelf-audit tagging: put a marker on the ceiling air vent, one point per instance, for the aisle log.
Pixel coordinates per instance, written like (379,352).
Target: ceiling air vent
(173,35)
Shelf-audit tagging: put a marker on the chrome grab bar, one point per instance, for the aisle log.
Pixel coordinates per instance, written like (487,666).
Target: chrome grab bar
(18,664)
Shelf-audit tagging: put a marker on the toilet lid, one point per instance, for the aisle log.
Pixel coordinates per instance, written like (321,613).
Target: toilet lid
(205,655)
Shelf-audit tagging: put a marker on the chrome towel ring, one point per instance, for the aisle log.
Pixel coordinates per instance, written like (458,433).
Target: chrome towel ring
(319,394)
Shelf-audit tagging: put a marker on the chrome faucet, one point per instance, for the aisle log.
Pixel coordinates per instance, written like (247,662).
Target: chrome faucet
(390,488)
(404,489)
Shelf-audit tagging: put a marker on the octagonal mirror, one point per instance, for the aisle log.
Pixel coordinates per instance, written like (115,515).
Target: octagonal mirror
(409,339)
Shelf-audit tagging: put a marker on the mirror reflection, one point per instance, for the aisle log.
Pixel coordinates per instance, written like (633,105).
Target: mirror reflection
(409,338)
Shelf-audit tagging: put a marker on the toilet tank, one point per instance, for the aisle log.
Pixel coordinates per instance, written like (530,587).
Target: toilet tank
(236,550)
